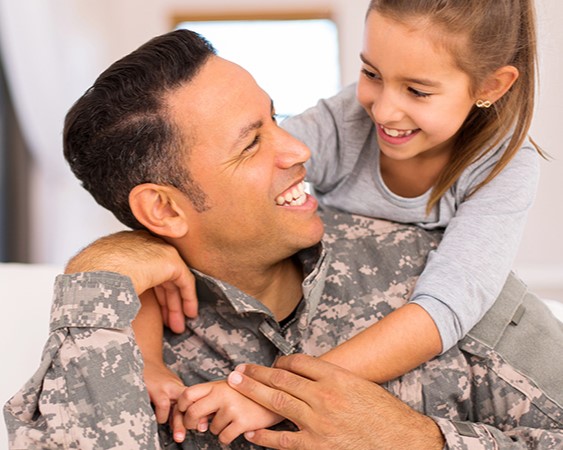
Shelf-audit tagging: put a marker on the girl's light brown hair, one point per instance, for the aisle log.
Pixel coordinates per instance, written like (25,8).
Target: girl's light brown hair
(485,35)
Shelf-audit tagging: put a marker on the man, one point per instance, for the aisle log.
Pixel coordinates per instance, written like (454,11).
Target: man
(183,143)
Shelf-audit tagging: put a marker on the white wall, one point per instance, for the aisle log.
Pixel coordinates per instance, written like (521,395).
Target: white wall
(540,260)
(65,218)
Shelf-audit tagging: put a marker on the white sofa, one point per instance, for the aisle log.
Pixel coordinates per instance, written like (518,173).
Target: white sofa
(25,301)
(25,296)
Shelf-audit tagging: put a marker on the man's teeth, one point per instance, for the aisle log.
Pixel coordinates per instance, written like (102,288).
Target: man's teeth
(293,197)
(397,133)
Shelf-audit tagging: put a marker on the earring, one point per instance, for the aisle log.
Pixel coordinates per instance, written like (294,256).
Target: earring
(483,104)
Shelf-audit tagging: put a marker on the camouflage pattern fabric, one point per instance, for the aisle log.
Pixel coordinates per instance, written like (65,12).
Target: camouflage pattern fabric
(365,269)
(88,392)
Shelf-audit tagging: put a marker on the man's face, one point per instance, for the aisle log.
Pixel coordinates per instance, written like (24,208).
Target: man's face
(250,169)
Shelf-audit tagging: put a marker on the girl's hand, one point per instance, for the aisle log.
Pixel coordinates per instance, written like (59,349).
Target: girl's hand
(164,388)
(233,414)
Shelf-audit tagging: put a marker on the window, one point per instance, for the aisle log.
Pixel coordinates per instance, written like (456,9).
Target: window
(295,60)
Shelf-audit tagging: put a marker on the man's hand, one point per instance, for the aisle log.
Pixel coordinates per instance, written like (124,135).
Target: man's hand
(150,262)
(332,407)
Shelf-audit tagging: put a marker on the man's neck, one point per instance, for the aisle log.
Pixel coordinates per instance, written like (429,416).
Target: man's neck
(278,286)
(280,289)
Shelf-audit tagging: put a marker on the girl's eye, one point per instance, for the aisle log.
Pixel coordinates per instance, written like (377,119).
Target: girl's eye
(371,75)
(418,93)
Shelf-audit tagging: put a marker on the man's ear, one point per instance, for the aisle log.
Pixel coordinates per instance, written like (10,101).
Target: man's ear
(157,207)
(498,83)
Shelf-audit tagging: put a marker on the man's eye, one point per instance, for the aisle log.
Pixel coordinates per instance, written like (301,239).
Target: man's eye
(253,144)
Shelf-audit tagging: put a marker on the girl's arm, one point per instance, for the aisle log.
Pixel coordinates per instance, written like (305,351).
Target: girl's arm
(163,385)
(460,281)
(391,347)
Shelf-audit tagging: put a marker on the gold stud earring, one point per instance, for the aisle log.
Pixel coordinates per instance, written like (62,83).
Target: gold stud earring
(483,104)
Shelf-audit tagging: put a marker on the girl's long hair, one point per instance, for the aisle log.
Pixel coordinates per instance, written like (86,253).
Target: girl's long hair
(481,36)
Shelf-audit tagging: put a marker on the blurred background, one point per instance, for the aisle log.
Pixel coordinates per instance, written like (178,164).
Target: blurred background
(52,50)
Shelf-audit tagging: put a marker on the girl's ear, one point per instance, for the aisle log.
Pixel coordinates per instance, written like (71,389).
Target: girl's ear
(157,208)
(498,84)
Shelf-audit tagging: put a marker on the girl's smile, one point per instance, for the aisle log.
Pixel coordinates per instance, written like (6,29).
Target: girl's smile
(394,136)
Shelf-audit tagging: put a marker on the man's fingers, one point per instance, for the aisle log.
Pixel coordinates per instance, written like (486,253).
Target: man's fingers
(296,377)
(179,299)
(307,366)
(168,297)
(183,283)
(190,304)
(189,295)
(259,389)
(290,440)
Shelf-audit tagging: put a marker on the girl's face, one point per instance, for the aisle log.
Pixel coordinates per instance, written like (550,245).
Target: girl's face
(411,89)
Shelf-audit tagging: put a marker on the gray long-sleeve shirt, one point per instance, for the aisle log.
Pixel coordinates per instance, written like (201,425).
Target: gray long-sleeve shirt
(465,274)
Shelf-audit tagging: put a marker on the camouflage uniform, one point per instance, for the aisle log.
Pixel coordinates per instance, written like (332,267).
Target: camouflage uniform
(88,392)
(488,392)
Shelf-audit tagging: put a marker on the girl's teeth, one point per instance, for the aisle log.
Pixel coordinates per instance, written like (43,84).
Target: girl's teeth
(397,133)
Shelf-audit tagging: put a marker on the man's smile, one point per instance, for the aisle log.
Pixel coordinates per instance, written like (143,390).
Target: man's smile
(294,196)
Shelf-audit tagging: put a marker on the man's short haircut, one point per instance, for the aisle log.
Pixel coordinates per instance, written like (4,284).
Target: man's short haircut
(119,133)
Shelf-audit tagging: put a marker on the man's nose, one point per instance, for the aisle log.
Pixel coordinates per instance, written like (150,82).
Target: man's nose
(290,151)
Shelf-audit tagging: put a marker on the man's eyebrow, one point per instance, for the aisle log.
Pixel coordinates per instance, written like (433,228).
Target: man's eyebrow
(421,81)
(244,132)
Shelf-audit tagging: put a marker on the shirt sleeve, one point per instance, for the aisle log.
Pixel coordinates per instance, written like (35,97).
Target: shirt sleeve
(479,436)
(88,392)
(466,273)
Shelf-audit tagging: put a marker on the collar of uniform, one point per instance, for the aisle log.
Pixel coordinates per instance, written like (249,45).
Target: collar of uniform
(314,261)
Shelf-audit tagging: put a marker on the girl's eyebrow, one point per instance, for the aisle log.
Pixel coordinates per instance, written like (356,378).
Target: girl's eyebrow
(365,60)
(421,81)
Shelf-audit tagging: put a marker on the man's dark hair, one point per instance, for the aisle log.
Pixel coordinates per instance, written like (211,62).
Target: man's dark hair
(119,134)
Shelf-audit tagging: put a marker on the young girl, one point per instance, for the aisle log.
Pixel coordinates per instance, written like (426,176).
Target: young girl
(434,133)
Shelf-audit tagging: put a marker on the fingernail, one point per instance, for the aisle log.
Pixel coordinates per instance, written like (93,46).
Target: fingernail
(240,368)
(235,378)
(249,434)
(202,427)
(179,437)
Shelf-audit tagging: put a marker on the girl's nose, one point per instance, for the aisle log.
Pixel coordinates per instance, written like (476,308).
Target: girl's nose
(386,108)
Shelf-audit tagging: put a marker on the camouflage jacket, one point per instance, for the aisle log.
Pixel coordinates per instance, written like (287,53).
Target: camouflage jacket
(487,392)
